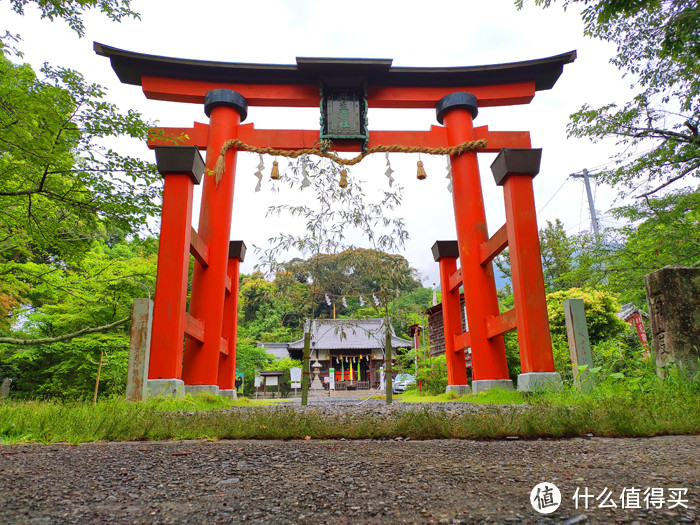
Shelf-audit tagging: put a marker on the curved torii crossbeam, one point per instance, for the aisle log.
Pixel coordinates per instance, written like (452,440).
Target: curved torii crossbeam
(344,89)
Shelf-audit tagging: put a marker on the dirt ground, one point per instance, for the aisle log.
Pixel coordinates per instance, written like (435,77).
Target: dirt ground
(435,481)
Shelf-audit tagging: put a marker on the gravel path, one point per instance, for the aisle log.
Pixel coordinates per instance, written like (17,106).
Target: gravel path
(364,482)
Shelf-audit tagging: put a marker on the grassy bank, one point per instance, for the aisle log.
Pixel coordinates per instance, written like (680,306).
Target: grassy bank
(563,414)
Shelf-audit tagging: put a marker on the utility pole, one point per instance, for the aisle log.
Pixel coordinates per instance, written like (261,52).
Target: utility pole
(591,204)
(594,218)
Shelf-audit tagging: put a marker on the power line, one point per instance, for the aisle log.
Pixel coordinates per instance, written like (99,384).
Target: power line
(552,197)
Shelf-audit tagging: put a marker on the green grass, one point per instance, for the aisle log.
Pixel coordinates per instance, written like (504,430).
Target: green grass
(564,414)
(494,396)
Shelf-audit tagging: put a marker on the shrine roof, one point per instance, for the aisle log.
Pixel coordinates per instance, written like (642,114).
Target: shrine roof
(130,67)
(349,334)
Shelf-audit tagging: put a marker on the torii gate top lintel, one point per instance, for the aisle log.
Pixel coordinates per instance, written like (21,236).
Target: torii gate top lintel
(186,80)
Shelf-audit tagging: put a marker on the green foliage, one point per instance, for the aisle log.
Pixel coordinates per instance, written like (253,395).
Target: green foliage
(664,232)
(512,355)
(249,358)
(557,255)
(63,299)
(601,313)
(351,272)
(72,11)
(658,43)
(62,186)
(409,309)
(432,373)
(65,197)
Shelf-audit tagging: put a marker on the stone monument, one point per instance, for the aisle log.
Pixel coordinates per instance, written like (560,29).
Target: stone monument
(673,296)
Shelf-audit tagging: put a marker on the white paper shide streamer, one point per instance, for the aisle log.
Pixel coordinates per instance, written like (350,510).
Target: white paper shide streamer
(449,174)
(258,174)
(305,182)
(389,171)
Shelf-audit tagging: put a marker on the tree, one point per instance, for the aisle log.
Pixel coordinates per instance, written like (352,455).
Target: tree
(664,232)
(656,130)
(98,292)
(352,272)
(62,185)
(72,209)
(557,253)
(658,45)
(72,10)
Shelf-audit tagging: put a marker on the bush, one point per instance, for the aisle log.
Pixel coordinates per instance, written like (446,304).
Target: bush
(432,373)
(612,346)
(601,314)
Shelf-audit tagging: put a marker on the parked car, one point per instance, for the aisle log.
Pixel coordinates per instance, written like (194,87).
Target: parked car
(401,382)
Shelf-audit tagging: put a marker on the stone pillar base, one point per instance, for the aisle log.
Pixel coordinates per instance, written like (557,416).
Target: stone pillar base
(165,388)
(229,392)
(534,381)
(196,389)
(481,385)
(459,389)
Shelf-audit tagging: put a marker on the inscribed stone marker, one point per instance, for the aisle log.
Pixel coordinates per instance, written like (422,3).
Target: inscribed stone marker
(579,345)
(139,350)
(673,296)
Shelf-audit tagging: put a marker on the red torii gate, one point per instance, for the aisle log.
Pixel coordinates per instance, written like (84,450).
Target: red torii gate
(227,89)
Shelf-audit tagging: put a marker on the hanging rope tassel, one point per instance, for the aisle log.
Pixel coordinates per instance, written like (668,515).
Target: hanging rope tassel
(275,175)
(343,179)
(421,171)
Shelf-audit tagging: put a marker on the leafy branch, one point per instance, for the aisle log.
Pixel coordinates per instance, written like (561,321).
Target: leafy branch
(65,337)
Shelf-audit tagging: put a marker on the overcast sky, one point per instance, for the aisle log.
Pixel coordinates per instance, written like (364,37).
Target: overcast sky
(437,33)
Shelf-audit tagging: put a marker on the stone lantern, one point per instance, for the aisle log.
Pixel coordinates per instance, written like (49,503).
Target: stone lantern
(316,382)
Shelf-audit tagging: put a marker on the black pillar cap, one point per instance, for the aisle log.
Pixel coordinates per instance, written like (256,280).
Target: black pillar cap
(511,161)
(236,250)
(226,97)
(460,99)
(180,159)
(442,249)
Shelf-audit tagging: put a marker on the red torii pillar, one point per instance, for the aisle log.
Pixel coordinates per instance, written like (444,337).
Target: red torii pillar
(489,368)
(512,169)
(182,167)
(225,109)
(209,360)
(446,254)
(226,378)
